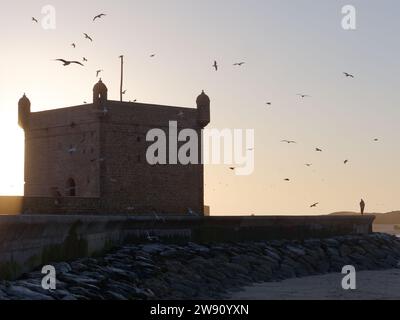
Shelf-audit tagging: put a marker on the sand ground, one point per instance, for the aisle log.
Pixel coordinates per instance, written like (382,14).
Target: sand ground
(371,285)
(387,228)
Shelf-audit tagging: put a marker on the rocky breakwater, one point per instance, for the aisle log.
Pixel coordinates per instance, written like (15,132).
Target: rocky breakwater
(193,271)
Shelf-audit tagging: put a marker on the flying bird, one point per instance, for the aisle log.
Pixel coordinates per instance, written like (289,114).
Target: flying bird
(348,75)
(287,180)
(318,149)
(73,45)
(124,92)
(314,205)
(158,218)
(99,16)
(88,37)
(304,95)
(215,65)
(232,168)
(376,139)
(346,161)
(268,103)
(84,59)
(239,64)
(98,72)
(35,20)
(152,55)
(72,150)
(151,238)
(288,141)
(192,213)
(308,164)
(67,63)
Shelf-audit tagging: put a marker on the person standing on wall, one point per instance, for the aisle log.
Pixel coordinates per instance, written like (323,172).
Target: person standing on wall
(362,206)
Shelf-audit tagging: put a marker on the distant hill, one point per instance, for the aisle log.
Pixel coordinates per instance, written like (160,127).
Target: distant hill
(381,218)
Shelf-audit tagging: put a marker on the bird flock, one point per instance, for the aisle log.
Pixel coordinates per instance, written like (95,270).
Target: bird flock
(215,66)
(292,142)
(86,36)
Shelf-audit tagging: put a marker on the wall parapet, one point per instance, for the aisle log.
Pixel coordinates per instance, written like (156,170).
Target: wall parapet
(30,241)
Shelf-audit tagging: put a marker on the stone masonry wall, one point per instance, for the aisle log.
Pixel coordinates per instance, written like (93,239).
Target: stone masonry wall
(193,271)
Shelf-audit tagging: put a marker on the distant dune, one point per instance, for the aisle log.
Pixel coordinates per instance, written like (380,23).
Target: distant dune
(381,218)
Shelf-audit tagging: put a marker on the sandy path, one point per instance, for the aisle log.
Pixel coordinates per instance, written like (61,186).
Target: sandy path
(370,285)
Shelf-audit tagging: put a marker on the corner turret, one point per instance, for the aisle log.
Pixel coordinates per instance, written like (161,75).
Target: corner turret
(203,109)
(100,94)
(24,112)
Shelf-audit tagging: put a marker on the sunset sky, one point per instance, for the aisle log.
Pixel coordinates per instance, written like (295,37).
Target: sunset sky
(289,46)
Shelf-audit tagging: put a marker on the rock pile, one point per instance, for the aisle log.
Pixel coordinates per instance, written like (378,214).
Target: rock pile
(193,271)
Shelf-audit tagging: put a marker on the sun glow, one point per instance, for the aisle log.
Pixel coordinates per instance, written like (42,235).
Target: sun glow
(12,159)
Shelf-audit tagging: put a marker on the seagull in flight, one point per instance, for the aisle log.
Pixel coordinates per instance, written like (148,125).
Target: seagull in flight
(287,180)
(348,75)
(73,45)
(314,205)
(99,16)
(152,55)
(304,95)
(308,164)
(35,20)
(288,141)
(215,65)
(158,218)
(268,103)
(72,150)
(151,238)
(318,149)
(192,213)
(67,63)
(124,92)
(84,59)
(346,161)
(88,37)
(239,64)
(376,139)
(232,168)
(98,72)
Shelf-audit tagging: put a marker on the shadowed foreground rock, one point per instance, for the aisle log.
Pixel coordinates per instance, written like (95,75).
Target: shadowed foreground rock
(192,271)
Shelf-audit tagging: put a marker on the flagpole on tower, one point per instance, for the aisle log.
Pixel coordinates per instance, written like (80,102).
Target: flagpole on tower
(122,77)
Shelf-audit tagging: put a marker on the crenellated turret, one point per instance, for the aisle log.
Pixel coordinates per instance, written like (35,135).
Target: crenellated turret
(203,109)
(24,112)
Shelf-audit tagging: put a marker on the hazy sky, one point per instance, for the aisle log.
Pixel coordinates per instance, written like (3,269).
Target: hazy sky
(289,47)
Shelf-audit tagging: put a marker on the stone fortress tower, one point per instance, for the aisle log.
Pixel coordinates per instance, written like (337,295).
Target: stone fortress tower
(92,158)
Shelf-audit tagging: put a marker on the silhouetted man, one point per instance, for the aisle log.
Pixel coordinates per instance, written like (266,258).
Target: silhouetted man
(362,206)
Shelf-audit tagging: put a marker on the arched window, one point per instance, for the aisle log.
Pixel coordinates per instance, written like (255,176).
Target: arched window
(71,188)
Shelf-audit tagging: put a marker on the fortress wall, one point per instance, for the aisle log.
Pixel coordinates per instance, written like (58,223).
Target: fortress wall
(65,205)
(31,241)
